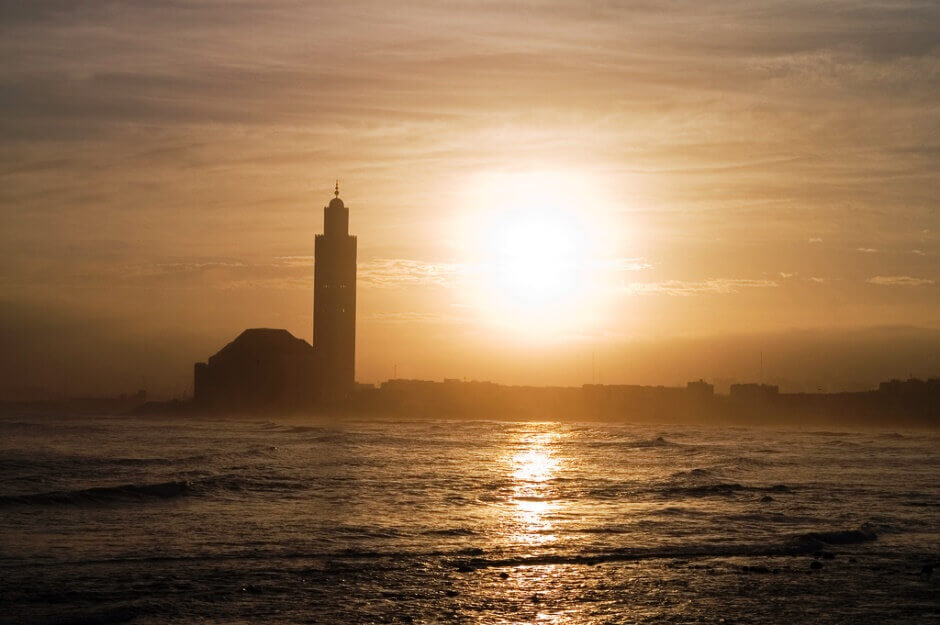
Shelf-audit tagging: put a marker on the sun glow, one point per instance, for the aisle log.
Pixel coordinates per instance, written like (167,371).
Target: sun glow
(534,244)
(537,255)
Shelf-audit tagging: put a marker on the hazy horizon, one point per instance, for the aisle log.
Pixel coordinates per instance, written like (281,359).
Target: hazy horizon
(48,355)
(674,190)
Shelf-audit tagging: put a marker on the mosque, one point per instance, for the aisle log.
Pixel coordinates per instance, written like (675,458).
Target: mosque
(270,368)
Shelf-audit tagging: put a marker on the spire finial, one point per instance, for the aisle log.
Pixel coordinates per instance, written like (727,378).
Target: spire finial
(336,191)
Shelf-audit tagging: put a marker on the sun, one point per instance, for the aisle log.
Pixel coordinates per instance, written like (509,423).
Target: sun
(533,250)
(535,255)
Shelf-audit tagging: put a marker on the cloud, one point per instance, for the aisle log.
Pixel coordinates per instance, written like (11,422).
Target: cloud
(866,250)
(295,261)
(411,317)
(402,272)
(627,264)
(293,272)
(899,281)
(399,272)
(225,275)
(682,288)
(815,240)
(919,252)
(785,274)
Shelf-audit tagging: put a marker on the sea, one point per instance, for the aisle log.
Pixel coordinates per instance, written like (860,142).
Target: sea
(267,520)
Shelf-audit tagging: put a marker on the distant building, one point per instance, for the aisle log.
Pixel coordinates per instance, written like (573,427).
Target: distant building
(700,389)
(262,368)
(913,386)
(754,392)
(334,302)
(267,368)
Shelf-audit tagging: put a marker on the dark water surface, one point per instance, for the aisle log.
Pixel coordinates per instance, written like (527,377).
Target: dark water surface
(106,520)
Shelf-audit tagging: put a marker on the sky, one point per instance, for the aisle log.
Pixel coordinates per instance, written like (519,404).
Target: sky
(543,192)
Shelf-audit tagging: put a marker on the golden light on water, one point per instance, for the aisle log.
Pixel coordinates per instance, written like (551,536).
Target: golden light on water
(534,465)
(533,462)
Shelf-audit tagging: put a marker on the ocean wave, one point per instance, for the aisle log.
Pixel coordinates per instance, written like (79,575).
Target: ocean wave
(864,533)
(101,495)
(680,511)
(697,473)
(471,558)
(643,443)
(705,490)
(55,463)
(840,442)
(746,461)
(158,491)
(719,489)
(659,441)
(452,531)
(798,545)
(686,488)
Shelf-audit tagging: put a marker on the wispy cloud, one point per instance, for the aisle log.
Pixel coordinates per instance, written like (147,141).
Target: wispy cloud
(398,272)
(626,264)
(176,275)
(866,250)
(411,317)
(899,281)
(274,284)
(815,240)
(295,261)
(219,275)
(682,288)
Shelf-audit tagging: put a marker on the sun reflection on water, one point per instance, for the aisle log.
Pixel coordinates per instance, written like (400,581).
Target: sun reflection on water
(534,464)
(530,521)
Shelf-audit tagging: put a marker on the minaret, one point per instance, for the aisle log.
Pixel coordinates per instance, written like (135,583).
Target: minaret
(334,303)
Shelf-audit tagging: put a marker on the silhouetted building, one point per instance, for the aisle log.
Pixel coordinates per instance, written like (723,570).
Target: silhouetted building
(700,389)
(754,392)
(262,368)
(334,302)
(911,387)
(265,368)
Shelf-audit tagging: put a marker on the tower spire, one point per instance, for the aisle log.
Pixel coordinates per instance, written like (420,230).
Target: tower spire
(334,304)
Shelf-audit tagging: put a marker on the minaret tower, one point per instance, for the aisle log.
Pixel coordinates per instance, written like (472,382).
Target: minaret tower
(334,303)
